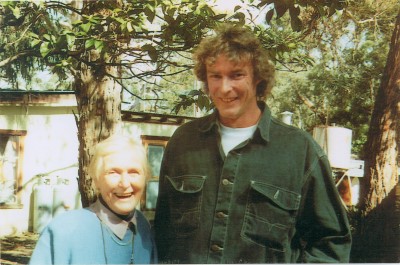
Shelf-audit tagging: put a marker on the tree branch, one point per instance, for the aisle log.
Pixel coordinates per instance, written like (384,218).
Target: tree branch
(17,56)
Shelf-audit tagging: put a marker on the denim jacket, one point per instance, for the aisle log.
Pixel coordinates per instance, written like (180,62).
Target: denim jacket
(272,199)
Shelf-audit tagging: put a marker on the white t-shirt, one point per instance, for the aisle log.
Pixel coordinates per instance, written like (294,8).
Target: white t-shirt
(231,137)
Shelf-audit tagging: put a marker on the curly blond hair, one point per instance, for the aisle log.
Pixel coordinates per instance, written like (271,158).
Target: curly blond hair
(238,44)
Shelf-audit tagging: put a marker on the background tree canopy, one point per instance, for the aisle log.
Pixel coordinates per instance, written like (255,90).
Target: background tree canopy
(329,54)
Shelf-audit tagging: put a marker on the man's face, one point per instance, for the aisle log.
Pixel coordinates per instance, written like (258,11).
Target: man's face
(122,183)
(232,89)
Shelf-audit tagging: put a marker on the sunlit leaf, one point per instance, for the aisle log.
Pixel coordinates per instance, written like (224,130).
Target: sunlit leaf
(129,26)
(35,42)
(98,45)
(70,40)
(89,43)
(44,49)
(85,27)
(47,37)
(16,12)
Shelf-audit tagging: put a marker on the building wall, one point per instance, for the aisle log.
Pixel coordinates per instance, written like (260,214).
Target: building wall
(51,154)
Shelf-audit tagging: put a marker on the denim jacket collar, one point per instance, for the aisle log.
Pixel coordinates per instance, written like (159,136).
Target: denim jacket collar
(210,122)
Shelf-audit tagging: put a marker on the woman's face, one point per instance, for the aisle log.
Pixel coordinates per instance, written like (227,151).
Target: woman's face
(123,181)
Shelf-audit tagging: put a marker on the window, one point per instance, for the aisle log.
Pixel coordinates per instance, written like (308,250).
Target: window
(155,146)
(11,156)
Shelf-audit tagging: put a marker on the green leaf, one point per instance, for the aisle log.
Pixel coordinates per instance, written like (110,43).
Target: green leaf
(76,22)
(194,93)
(85,27)
(240,17)
(151,51)
(150,13)
(119,20)
(16,12)
(218,17)
(129,26)
(33,35)
(35,42)
(44,49)
(47,37)
(64,63)
(202,102)
(89,43)
(70,40)
(98,45)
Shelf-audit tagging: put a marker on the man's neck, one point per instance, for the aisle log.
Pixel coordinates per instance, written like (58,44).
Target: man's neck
(242,122)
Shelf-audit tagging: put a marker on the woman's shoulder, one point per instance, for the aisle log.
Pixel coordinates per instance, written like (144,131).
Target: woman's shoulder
(71,220)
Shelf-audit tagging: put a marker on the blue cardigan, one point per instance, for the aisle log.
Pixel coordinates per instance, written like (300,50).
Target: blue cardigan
(78,237)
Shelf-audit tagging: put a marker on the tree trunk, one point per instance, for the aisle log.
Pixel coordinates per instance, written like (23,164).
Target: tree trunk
(381,174)
(376,239)
(99,105)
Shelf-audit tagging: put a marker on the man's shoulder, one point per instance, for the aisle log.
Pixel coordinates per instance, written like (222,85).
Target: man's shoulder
(280,127)
(195,125)
(289,133)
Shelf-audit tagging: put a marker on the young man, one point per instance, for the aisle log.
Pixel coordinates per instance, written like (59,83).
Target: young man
(238,186)
(112,230)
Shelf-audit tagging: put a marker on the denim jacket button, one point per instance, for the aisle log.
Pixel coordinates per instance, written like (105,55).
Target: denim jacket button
(221,215)
(216,248)
(225,182)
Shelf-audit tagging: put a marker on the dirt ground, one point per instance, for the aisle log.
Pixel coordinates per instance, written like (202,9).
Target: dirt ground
(17,249)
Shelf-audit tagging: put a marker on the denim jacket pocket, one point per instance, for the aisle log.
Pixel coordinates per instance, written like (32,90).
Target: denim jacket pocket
(270,215)
(185,200)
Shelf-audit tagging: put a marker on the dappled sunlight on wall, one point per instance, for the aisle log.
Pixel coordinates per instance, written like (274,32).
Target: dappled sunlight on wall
(51,143)
(51,152)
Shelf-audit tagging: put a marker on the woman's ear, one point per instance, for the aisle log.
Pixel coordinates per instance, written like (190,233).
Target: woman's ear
(95,185)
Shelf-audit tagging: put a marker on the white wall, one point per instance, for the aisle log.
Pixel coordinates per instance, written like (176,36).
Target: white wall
(51,149)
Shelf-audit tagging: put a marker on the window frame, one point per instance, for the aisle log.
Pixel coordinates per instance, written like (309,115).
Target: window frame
(21,134)
(154,141)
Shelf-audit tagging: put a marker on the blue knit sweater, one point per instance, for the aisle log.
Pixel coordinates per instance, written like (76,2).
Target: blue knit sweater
(78,237)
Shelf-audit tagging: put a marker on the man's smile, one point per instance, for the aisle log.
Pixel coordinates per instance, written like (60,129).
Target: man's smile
(228,100)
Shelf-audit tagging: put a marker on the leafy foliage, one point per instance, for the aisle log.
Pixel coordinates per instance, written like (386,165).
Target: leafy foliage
(350,53)
(335,64)
(56,34)
(148,34)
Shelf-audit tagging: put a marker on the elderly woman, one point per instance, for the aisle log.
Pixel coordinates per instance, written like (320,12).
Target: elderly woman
(112,230)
